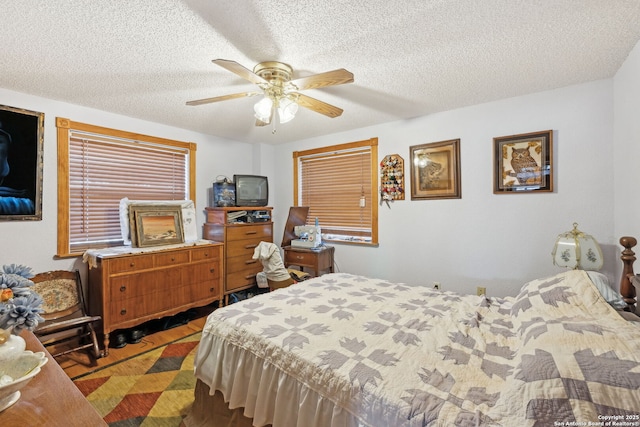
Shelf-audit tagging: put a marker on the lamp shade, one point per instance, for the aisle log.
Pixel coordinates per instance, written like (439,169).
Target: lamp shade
(263,109)
(577,250)
(287,110)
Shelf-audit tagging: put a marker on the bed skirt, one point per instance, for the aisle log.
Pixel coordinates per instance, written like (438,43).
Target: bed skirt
(213,411)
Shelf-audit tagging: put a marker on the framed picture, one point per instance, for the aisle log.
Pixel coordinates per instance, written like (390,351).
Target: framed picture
(21,146)
(523,163)
(435,170)
(155,225)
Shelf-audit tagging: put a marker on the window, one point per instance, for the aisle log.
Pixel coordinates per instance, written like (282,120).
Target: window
(339,184)
(99,166)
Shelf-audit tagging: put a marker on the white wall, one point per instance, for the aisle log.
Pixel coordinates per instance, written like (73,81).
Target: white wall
(497,241)
(626,133)
(33,243)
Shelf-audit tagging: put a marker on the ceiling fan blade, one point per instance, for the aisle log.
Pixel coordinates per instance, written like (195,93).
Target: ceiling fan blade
(223,98)
(238,69)
(330,78)
(318,106)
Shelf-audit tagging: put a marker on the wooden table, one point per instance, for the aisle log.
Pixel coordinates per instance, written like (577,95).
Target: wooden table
(50,399)
(319,259)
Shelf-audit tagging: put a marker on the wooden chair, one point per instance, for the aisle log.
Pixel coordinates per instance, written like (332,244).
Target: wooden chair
(67,327)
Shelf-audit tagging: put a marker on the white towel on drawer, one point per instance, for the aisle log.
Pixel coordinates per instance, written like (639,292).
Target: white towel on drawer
(269,254)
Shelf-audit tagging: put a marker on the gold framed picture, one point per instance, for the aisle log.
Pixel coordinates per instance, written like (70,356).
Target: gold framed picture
(21,163)
(155,225)
(523,163)
(435,170)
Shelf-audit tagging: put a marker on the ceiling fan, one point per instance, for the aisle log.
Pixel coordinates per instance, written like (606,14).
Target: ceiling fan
(281,94)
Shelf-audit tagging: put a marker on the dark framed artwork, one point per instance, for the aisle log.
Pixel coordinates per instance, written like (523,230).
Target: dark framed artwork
(155,225)
(21,147)
(523,163)
(435,170)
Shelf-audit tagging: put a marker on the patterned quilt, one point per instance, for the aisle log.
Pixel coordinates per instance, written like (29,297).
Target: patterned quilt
(394,354)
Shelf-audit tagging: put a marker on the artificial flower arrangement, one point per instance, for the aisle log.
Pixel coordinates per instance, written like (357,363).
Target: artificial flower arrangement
(20,306)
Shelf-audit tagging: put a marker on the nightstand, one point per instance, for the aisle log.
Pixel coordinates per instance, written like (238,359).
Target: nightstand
(319,259)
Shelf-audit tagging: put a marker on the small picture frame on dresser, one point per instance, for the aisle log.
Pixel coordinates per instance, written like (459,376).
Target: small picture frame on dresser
(155,225)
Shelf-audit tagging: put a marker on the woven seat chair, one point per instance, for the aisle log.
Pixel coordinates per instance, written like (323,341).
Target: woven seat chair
(67,327)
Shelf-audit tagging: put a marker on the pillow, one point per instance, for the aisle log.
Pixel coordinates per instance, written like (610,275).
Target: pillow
(189,225)
(608,293)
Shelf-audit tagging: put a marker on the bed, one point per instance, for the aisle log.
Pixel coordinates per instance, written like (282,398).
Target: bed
(346,350)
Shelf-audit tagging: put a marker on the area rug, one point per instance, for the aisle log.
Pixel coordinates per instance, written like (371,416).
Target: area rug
(153,389)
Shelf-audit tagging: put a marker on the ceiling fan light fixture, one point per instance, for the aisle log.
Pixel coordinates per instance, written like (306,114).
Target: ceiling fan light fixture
(263,109)
(281,94)
(287,110)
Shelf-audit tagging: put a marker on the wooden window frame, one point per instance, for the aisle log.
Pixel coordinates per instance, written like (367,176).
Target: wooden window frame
(64,129)
(370,145)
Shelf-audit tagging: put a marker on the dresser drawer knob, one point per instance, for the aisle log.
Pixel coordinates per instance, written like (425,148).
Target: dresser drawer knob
(206,254)
(123,288)
(251,261)
(172,259)
(251,232)
(123,311)
(212,270)
(133,264)
(250,246)
(212,290)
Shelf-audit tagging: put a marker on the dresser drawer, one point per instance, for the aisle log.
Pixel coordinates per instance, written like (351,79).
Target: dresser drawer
(203,290)
(142,284)
(171,258)
(133,308)
(239,263)
(244,231)
(241,279)
(212,252)
(202,272)
(299,258)
(130,263)
(244,247)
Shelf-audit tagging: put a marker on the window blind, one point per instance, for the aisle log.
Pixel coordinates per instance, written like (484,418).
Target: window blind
(104,169)
(338,185)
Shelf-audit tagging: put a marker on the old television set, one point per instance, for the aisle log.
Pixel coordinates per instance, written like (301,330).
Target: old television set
(251,190)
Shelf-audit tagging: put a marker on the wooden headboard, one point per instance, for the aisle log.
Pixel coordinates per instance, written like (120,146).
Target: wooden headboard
(627,289)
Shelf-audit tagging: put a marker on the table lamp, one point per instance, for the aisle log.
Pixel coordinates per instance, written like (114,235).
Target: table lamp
(577,250)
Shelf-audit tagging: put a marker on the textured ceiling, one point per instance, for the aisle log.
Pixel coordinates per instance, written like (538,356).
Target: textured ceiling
(146,58)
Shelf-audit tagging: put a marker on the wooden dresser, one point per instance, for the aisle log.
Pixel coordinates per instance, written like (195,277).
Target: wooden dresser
(240,240)
(130,289)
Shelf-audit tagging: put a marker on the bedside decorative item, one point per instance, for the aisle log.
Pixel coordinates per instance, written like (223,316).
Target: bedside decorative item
(11,346)
(577,250)
(16,373)
(523,163)
(391,178)
(19,309)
